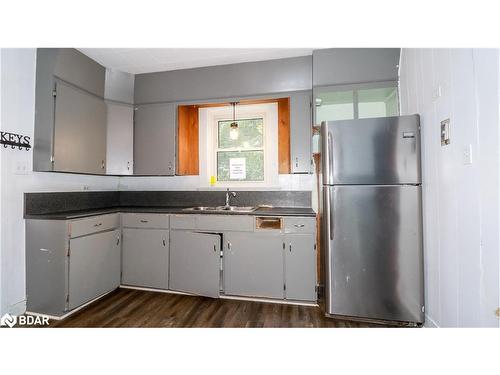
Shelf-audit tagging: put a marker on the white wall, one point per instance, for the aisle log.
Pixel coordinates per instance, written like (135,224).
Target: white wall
(461,201)
(17,116)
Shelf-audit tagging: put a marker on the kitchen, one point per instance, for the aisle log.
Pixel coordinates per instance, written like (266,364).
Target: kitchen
(255,188)
(174,195)
(166,240)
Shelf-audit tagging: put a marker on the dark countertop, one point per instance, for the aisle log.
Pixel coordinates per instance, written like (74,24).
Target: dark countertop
(264,211)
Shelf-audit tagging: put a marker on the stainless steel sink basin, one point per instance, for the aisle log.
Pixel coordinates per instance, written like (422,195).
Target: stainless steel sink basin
(236,208)
(221,209)
(201,208)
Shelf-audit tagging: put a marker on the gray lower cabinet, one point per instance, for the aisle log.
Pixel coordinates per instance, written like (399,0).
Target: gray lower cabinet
(94,266)
(71,262)
(300,267)
(79,131)
(195,262)
(145,257)
(253,264)
(154,139)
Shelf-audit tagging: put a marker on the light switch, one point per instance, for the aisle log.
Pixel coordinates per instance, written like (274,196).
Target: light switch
(468,155)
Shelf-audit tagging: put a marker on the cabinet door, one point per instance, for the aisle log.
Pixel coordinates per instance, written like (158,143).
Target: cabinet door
(94,266)
(145,258)
(253,264)
(300,267)
(154,139)
(300,132)
(120,139)
(195,263)
(79,131)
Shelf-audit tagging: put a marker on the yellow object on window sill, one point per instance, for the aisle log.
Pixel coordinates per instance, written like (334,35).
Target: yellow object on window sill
(212,180)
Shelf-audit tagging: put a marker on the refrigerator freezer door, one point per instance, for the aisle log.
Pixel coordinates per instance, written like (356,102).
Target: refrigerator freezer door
(371,151)
(374,257)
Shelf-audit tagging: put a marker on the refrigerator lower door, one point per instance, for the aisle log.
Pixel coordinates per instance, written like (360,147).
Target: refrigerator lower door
(374,256)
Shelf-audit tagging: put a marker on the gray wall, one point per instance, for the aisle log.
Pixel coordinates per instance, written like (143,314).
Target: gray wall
(225,81)
(338,66)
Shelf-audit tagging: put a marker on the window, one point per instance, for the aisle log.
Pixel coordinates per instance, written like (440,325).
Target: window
(240,157)
(337,105)
(381,102)
(360,101)
(246,155)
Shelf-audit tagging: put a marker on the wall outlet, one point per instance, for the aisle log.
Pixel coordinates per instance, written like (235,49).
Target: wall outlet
(21,167)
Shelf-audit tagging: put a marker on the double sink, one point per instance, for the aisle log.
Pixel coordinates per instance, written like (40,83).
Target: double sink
(222,209)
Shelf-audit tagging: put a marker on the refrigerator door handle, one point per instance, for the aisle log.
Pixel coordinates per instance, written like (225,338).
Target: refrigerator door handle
(330,157)
(331,217)
(328,206)
(327,155)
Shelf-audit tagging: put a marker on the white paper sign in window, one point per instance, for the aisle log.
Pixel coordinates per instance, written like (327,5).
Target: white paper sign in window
(237,168)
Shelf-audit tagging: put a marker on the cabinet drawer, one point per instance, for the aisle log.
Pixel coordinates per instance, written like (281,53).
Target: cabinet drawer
(154,221)
(93,224)
(219,223)
(183,222)
(300,225)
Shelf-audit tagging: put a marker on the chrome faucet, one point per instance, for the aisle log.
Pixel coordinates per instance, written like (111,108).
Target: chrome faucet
(228,195)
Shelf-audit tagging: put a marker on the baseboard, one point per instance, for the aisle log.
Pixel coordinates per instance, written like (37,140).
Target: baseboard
(155,290)
(223,296)
(55,317)
(16,309)
(429,322)
(269,300)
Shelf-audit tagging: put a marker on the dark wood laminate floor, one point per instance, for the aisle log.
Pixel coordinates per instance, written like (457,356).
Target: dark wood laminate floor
(135,308)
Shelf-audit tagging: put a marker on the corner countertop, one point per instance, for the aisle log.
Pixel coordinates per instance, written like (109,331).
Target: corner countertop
(263,211)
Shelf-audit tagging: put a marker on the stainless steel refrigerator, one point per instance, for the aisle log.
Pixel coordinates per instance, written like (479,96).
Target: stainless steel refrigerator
(372,219)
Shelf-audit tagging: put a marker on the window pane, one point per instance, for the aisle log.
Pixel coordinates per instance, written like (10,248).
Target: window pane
(250,134)
(240,166)
(332,106)
(378,102)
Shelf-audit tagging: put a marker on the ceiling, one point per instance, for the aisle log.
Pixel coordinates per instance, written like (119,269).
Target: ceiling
(145,60)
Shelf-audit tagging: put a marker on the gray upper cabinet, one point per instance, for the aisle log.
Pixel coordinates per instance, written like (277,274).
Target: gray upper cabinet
(120,139)
(83,80)
(154,139)
(300,267)
(119,95)
(253,264)
(343,66)
(145,257)
(300,132)
(195,262)
(94,266)
(79,131)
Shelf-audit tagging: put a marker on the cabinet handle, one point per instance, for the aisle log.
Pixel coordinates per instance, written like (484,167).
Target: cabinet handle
(164,242)
(128,166)
(299,225)
(144,221)
(296,162)
(215,248)
(97,225)
(117,241)
(102,164)
(290,247)
(229,245)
